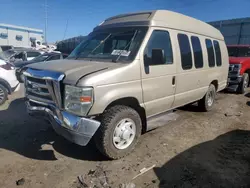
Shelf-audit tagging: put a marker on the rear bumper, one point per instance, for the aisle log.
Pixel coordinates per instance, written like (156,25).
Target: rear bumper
(76,129)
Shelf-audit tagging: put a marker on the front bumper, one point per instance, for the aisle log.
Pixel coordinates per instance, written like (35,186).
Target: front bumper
(233,82)
(16,88)
(76,129)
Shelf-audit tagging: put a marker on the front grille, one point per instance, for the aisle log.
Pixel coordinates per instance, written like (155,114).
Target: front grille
(234,71)
(231,68)
(44,87)
(39,90)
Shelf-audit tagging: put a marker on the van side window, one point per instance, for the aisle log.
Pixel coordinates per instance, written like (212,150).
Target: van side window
(185,49)
(159,40)
(198,57)
(210,53)
(217,53)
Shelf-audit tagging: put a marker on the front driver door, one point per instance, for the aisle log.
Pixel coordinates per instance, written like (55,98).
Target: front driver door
(158,80)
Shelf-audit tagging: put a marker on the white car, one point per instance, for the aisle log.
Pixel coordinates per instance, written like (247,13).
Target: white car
(8,80)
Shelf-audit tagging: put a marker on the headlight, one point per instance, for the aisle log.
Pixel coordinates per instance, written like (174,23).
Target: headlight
(237,67)
(78,100)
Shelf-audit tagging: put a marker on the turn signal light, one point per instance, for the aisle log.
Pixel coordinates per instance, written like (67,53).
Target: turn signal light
(85,99)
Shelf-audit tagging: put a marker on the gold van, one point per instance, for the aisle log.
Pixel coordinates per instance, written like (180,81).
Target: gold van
(130,69)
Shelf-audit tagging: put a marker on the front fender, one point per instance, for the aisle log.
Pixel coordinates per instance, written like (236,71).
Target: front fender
(106,94)
(245,65)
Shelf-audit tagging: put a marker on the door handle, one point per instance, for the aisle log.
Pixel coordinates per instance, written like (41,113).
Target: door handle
(173,80)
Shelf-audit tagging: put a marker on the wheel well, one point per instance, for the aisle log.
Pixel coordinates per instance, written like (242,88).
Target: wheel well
(215,83)
(132,103)
(248,72)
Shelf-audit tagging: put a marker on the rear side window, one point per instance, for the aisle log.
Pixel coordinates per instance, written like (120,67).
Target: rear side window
(186,57)
(159,40)
(210,53)
(33,54)
(198,57)
(217,53)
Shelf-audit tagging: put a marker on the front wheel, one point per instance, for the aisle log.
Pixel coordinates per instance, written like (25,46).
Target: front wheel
(207,102)
(244,84)
(119,131)
(3,94)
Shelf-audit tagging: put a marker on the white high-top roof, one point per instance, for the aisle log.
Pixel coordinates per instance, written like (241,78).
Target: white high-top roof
(163,18)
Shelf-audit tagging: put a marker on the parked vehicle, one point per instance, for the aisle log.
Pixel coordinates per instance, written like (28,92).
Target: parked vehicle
(129,71)
(239,68)
(68,45)
(5,48)
(20,66)
(21,54)
(29,54)
(8,81)
(38,45)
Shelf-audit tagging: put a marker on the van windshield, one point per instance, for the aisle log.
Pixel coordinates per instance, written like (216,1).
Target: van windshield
(111,44)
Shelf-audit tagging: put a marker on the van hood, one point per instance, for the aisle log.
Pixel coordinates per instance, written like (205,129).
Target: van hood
(73,69)
(238,60)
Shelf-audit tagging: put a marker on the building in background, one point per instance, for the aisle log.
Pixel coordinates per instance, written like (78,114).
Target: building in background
(19,36)
(235,31)
(68,45)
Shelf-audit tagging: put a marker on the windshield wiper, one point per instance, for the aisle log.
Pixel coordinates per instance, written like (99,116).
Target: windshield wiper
(101,42)
(115,60)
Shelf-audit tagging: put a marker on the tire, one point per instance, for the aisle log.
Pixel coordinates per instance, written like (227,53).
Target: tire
(207,102)
(114,119)
(244,84)
(3,94)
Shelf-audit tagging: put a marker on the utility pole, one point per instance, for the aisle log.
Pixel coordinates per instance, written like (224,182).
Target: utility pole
(65,31)
(46,20)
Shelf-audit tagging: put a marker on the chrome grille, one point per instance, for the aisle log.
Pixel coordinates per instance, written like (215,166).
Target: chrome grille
(43,86)
(38,90)
(231,67)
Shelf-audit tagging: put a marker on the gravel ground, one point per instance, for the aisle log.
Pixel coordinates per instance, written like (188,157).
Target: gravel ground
(197,150)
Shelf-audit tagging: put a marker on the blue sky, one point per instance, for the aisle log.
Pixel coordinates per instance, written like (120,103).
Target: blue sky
(83,15)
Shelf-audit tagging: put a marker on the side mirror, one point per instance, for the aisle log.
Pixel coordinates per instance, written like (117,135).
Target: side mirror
(158,57)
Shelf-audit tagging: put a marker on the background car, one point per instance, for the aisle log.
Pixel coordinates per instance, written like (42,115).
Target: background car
(20,54)
(239,68)
(8,80)
(5,48)
(20,66)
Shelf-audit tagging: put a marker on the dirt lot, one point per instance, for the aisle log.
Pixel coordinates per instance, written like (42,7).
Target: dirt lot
(197,150)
